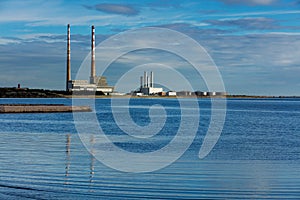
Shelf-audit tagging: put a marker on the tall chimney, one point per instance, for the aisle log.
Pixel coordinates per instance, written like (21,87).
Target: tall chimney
(151,79)
(145,79)
(93,68)
(141,81)
(68,78)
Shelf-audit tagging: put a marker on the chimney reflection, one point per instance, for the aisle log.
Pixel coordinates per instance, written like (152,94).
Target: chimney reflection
(68,159)
(92,169)
(68,156)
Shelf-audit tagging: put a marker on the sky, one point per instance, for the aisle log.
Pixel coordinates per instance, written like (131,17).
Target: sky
(255,44)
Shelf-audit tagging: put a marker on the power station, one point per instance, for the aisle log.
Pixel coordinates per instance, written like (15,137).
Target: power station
(147,85)
(95,83)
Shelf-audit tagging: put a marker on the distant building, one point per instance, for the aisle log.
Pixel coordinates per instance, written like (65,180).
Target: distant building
(84,85)
(211,93)
(137,94)
(162,93)
(171,93)
(147,85)
(200,93)
(150,90)
(184,93)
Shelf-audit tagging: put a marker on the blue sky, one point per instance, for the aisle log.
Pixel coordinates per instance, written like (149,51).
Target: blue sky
(255,43)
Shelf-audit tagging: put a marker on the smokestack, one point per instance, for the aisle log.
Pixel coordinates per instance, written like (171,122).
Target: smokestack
(93,68)
(141,81)
(68,78)
(148,81)
(145,79)
(151,79)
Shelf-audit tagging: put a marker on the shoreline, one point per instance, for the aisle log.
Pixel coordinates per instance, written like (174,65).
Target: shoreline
(155,97)
(41,93)
(182,97)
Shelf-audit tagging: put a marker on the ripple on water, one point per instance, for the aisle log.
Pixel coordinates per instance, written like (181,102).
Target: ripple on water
(256,157)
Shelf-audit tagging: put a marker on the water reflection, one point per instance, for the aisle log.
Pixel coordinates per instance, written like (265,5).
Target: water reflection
(257,156)
(92,158)
(92,164)
(68,157)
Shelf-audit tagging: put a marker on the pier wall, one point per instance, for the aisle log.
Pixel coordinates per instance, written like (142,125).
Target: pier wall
(42,108)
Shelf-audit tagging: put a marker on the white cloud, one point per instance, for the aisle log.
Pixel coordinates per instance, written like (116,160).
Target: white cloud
(5,41)
(240,14)
(121,9)
(31,10)
(251,2)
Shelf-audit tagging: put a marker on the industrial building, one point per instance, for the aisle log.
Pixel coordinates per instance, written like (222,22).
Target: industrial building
(95,83)
(147,88)
(147,85)
(184,93)
(209,94)
(171,93)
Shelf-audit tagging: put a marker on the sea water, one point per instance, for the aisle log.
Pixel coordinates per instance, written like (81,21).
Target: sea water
(257,155)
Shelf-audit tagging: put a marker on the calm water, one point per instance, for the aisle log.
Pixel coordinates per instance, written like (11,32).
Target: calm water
(257,156)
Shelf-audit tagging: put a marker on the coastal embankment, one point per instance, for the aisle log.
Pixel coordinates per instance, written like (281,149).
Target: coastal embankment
(41,108)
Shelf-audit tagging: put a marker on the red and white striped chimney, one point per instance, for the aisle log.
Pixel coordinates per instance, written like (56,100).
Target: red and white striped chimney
(68,78)
(93,65)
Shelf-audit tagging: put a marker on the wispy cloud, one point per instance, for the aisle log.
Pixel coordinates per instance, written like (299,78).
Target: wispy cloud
(251,2)
(7,40)
(120,9)
(193,30)
(254,42)
(247,23)
(29,59)
(264,13)
(244,61)
(28,10)
(164,4)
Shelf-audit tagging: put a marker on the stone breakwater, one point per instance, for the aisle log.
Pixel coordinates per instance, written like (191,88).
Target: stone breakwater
(41,108)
